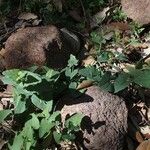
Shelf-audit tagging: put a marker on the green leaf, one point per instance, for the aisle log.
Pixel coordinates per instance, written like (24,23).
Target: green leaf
(91,73)
(19,89)
(104,57)
(45,127)
(48,123)
(28,135)
(71,73)
(72,61)
(68,72)
(97,38)
(48,109)
(141,77)
(52,74)
(57,137)
(69,137)
(73,85)
(29,78)
(121,57)
(75,120)
(17,143)
(10,76)
(122,82)
(35,122)
(105,82)
(28,132)
(4,114)
(56,116)
(39,103)
(20,104)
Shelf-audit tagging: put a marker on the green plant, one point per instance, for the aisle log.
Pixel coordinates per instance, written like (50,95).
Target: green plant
(35,98)
(98,40)
(136,28)
(107,72)
(119,15)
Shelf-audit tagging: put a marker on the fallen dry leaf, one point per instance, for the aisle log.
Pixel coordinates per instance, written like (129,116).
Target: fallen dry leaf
(85,84)
(89,61)
(144,145)
(139,137)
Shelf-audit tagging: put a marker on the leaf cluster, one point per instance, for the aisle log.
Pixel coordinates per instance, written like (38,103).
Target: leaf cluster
(35,97)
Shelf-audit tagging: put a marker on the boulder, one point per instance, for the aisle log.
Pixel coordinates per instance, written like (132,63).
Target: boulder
(105,123)
(45,45)
(138,10)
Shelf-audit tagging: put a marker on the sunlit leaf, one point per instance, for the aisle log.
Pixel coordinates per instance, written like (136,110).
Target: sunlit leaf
(72,61)
(57,137)
(122,82)
(4,114)
(75,120)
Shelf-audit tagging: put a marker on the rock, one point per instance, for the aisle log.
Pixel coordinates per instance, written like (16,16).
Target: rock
(73,40)
(105,123)
(138,10)
(40,46)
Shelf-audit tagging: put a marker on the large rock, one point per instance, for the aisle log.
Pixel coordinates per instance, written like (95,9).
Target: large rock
(105,123)
(138,10)
(40,46)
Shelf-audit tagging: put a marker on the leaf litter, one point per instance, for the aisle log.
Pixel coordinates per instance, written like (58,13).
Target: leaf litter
(118,37)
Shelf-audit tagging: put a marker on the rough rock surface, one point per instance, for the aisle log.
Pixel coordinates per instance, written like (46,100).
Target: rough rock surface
(37,46)
(105,121)
(138,10)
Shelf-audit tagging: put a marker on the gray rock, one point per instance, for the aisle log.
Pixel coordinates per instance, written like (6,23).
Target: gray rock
(138,10)
(45,45)
(105,123)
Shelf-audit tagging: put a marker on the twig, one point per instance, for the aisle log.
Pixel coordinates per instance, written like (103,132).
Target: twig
(3,125)
(5,95)
(147,122)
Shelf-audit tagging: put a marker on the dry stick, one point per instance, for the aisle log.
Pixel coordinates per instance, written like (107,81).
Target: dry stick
(3,125)
(147,122)
(5,95)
